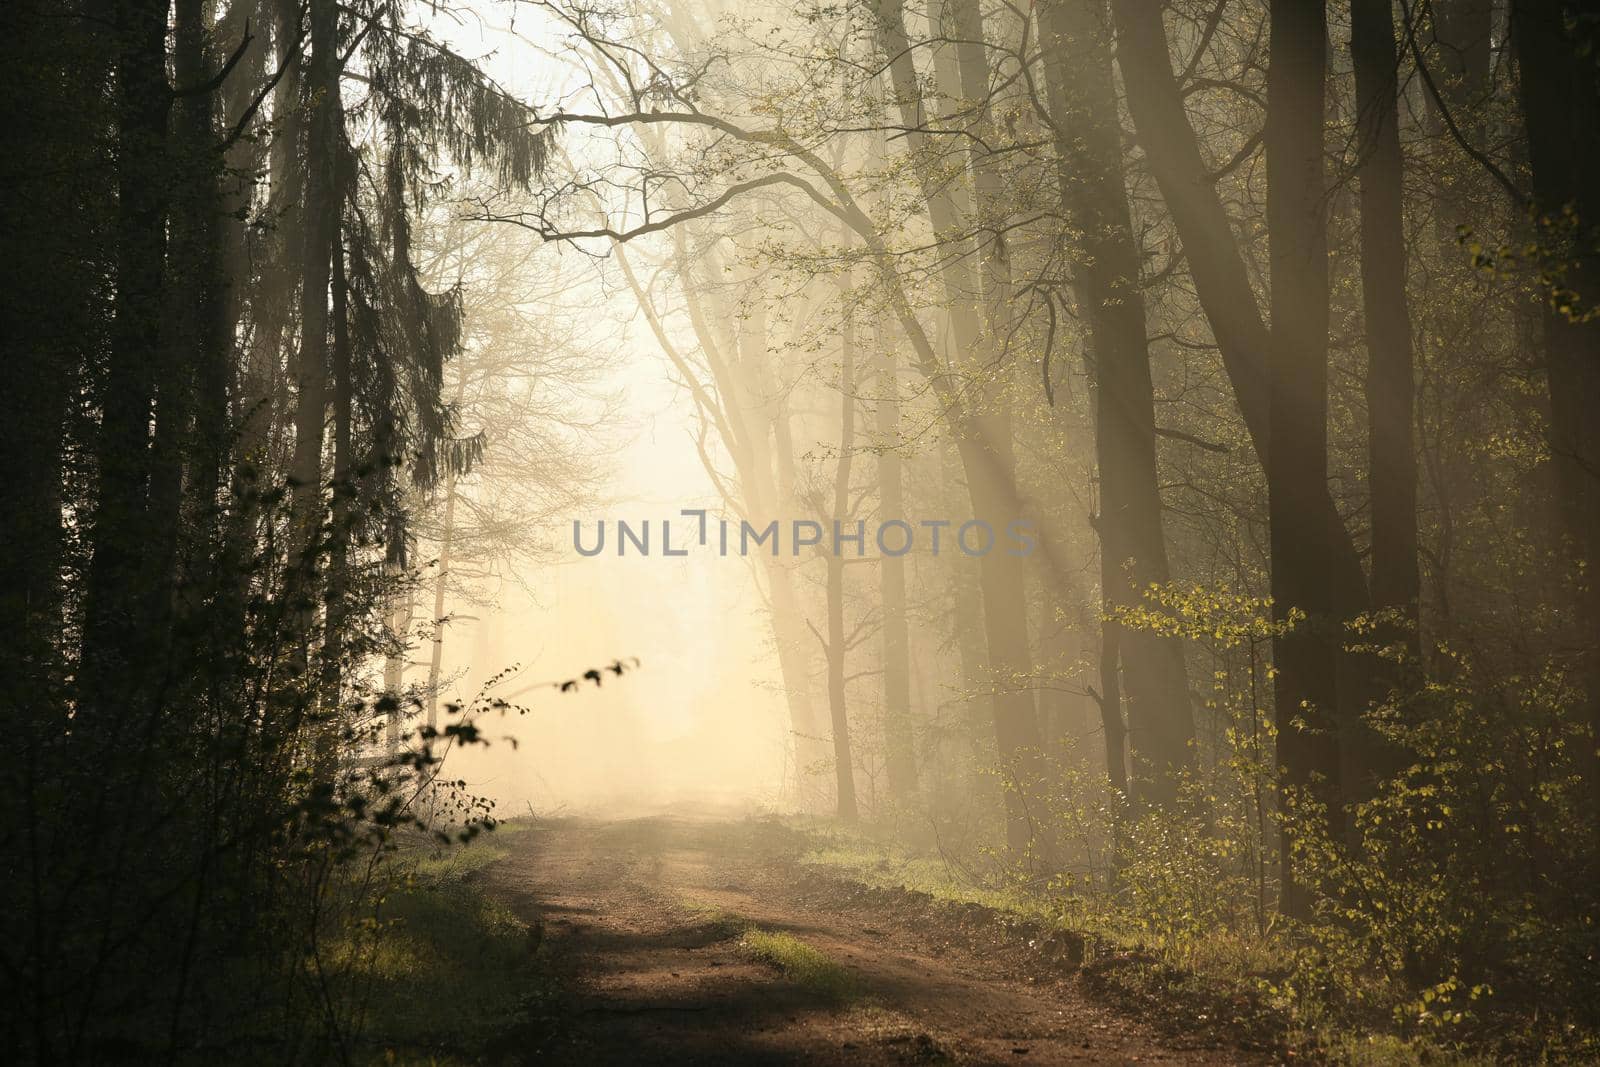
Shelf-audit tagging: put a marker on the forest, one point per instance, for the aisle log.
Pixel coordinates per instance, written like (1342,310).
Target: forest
(841,531)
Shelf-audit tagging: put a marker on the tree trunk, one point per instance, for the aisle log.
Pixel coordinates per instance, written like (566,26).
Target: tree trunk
(113,662)
(50,269)
(1561,109)
(1220,279)
(986,449)
(898,735)
(1391,460)
(436,657)
(1297,463)
(192,351)
(311,367)
(1083,100)
(394,663)
(337,595)
(844,768)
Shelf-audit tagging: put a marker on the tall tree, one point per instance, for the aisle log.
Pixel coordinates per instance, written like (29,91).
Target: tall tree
(837,643)
(1153,676)
(115,667)
(1560,96)
(53,261)
(899,743)
(1221,279)
(1297,456)
(323,143)
(983,442)
(1392,479)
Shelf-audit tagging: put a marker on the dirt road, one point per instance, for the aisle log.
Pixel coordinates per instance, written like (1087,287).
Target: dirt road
(647,922)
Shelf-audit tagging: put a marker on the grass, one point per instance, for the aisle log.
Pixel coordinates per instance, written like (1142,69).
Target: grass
(443,974)
(456,862)
(886,867)
(803,964)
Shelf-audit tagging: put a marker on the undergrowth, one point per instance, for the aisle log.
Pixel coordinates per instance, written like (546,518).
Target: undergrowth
(443,973)
(1276,984)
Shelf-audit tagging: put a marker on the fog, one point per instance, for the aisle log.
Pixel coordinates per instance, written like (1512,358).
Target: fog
(701,723)
(1129,464)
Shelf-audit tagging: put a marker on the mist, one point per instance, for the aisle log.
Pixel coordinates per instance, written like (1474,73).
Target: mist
(877,531)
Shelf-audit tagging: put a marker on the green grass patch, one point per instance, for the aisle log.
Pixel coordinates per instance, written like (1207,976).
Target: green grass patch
(886,867)
(443,973)
(432,863)
(803,964)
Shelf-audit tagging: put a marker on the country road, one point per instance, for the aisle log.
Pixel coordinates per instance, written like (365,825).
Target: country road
(647,920)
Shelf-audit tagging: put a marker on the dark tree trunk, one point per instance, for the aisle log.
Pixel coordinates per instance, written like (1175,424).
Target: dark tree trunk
(1083,102)
(229,190)
(311,365)
(1231,307)
(50,267)
(1297,463)
(345,492)
(114,649)
(191,350)
(1392,461)
(1220,279)
(1561,109)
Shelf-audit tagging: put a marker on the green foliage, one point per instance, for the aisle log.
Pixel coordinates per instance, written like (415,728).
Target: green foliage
(1466,881)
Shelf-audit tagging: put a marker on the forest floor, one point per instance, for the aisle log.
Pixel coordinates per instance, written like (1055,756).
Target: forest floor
(677,939)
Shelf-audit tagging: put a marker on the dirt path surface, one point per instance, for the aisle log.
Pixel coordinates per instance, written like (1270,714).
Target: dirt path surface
(645,921)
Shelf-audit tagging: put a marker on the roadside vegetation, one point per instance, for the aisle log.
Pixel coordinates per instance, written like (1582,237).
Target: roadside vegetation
(1310,993)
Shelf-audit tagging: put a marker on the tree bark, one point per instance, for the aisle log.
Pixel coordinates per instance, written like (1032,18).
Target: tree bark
(1094,192)
(1220,279)
(114,666)
(898,733)
(1297,463)
(1560,98)
(336,598)
(987,456)
(836,648)
(1392,478)
(311,366)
